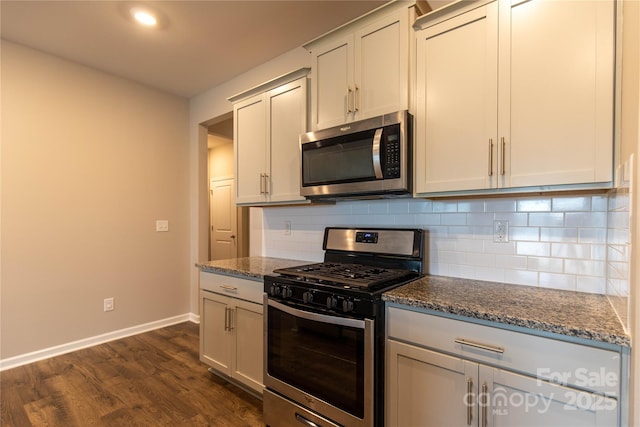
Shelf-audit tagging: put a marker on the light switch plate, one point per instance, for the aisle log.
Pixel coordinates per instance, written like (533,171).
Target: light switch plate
(162,225)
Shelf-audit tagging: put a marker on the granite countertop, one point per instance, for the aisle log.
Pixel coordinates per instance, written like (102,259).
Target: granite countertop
(252,267)
(575,314)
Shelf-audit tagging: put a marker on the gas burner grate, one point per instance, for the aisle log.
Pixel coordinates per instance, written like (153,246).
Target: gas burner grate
(359,275)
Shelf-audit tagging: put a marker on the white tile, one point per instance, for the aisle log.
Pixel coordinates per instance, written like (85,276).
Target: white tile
(471,206)
(470,245)
(531,234)
(515,219)
(592,235)
(511,262)
(558,281)
(448,257)
(482,232)
(508,248)
(500,205)
(619,253)
(571,204)
(489,274)
(521,277)
(379,207)
(558,234)
(480,219)
(598,203)
(545,264)
(533,248)
(618,270)
(571,250)
(599,252)
(585,267)
(585,219)
(479,259)
(420,206)
(444,245)
(398,207)
(453,219)
(448,206)
(427,219)
(618,220)
(463,231)
(464,271)
(533,205)
(554,219)
(408,220)
(593,285)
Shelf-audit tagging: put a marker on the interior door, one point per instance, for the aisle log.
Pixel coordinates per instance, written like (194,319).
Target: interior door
(224,228)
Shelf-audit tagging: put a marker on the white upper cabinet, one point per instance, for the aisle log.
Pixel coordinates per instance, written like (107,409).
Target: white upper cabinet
(515,95)
(267,123)
(361,70)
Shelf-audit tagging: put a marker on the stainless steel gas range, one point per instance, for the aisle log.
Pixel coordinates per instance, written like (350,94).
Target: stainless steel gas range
(324,328)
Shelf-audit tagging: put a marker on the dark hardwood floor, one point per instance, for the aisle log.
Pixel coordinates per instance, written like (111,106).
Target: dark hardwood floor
(151,379)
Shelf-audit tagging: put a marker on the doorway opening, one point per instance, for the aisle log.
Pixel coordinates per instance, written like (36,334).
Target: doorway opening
(228,223)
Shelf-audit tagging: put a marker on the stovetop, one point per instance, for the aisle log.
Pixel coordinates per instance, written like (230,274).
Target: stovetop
(349,274)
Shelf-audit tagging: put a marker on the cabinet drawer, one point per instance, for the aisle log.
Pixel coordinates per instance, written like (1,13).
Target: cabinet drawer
(563,362)
(235,287)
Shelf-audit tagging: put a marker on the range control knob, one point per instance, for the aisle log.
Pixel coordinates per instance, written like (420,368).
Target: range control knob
(274,290)
(331,303)
(347,306)
(286,292)
(307,297)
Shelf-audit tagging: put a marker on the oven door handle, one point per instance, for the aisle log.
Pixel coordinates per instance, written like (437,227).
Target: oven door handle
(334,320)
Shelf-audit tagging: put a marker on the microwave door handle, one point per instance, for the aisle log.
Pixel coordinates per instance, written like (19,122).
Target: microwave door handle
(375,152)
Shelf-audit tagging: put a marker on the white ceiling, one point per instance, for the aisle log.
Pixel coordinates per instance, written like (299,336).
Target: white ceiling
(201,44)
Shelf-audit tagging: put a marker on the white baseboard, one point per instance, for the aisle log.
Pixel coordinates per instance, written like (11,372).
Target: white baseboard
(23,359)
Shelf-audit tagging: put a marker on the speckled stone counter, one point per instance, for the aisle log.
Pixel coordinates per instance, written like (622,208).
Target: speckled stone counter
(574,314)
(251,267)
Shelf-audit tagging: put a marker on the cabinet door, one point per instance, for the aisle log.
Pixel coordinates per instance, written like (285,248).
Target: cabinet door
(250,137)
(456,120)
(332,84)
(517,400)
(426,388)
(382,66)
(287,120)
(556,91)
(215,348)
(248,329)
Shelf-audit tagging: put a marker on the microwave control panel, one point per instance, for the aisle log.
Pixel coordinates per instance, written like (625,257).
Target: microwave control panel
(392,154)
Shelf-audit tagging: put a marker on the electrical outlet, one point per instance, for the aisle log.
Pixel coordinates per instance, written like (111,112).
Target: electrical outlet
(108,304)
(500,231)
(287,228)
(162,225)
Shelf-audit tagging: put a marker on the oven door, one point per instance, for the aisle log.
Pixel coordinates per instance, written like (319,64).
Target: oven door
(321,362)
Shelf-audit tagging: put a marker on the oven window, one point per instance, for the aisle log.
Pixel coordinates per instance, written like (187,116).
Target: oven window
(342,162)
(324,360)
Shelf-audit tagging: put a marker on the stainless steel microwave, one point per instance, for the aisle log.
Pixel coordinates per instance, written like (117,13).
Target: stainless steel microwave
(365,159)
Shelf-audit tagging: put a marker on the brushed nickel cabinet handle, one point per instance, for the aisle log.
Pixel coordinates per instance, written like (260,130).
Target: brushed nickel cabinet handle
(261,183)
(228,287)
(469,401)
(231,310)
(485,390)
(356,102)
(349,99)
(490,156)
(226,318)
(503,151)
(492,348)
(266,184)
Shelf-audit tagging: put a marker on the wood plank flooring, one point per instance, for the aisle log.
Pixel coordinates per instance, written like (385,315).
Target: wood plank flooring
(151,379)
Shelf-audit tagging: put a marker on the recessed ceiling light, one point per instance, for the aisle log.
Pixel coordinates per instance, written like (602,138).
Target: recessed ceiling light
(144,16)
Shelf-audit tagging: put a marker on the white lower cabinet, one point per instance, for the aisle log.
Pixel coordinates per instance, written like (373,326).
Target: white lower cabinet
(428,387)
(231,332)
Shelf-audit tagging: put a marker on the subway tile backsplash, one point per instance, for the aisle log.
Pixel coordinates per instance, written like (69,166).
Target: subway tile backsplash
(560,242)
